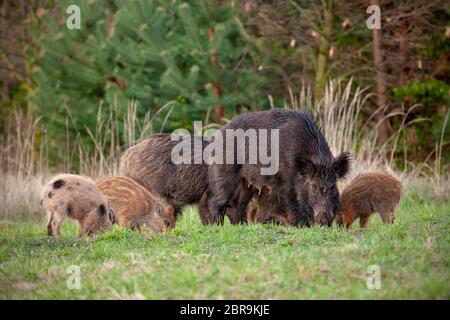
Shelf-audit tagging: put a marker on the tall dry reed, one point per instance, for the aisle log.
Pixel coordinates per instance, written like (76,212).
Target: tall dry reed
(339,115)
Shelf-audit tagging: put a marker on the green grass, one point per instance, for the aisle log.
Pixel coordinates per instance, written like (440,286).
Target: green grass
(234,262)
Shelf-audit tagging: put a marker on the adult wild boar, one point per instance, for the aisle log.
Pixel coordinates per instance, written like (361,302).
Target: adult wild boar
(307,171)
(150,163)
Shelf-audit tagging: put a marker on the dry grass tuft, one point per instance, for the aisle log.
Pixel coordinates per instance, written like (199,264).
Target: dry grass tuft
(20,195)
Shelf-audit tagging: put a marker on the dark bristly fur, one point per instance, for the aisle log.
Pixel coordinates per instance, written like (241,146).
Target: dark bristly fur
(149,163)
(237,205)
(308,172)
(366,194)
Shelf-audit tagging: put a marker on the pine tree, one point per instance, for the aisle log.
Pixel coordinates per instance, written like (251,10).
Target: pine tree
(193,54)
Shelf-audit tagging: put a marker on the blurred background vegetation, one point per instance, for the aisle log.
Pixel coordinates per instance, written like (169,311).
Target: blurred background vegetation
(172,62)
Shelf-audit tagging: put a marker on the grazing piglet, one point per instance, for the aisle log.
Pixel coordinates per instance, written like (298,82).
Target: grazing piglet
(366,194)
(261,206)
(266,207)
(78,198)
(135,206)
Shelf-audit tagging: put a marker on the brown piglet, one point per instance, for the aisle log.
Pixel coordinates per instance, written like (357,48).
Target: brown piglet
(136,206)
(267,207)
(366,194)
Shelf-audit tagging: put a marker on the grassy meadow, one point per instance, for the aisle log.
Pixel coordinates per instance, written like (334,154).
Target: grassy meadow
(234,262)
(79,89)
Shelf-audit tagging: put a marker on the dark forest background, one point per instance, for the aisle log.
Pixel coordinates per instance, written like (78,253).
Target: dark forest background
(180,61)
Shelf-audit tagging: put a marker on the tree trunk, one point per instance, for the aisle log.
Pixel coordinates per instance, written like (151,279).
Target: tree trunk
(385,129)
(403,53)
(324,48)
(218,110)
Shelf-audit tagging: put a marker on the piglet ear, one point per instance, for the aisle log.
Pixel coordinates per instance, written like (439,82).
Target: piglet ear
(341,165)
(112,215)
(305,166)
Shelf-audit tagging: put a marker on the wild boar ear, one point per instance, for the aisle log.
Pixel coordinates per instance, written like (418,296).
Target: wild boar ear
(305,166)
(341,165)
